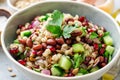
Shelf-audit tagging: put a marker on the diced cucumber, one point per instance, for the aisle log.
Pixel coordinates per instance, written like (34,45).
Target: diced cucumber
(78,48)
(110,58)
(83,71)
(94,69)
(79,74)
(37,70)
(56,70)
(110,49)
(65,63)
(75,57)
(106,54)
(26,33)
(108,40)
(16,41)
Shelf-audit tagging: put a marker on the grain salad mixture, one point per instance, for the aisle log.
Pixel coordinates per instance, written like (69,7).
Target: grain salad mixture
(60,44)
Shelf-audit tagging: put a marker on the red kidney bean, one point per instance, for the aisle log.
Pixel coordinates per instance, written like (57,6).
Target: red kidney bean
(58,47)
(89,41)
(51,42)
(39,53)
(37,47)
(76,33)
(102,64)
(68,41)
(29,42)
(101,51)
(44,45)
(60,40)
(22,41)
(101,59)
(96,46)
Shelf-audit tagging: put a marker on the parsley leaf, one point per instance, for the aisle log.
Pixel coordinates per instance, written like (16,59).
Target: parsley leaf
(67,30)
(54,25)
(93,35)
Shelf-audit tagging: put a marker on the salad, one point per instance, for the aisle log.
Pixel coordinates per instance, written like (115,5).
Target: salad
(60,44)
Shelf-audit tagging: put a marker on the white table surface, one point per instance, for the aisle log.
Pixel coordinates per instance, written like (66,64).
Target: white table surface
(5,63)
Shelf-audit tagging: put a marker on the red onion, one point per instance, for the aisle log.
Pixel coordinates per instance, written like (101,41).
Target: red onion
(35,23)
(45,71)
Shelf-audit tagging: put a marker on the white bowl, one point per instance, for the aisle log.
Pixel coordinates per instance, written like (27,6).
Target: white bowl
(93,14)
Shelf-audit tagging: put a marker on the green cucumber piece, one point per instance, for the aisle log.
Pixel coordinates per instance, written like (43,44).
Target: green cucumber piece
(94,69)
(110,58)
(79,74)
(26,33)
(65,63)
(56,70)
(78,48)
(16,41)
(110,49)
(83,71)
(108,40)
(106,54)
(37,70)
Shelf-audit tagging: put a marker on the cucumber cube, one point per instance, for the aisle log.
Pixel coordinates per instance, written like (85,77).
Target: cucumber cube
(78,48)
(65,63)
(108,40)
(110,49)
(26,33)
(56,70)
(94,69)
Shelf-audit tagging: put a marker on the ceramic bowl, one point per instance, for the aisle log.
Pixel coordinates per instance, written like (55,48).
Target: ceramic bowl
(92,13)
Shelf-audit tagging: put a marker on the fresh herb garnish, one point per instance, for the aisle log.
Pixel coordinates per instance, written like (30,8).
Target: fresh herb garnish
(67,30)
(93,35)
(54,25)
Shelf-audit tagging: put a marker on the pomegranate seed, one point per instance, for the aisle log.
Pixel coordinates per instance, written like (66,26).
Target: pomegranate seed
(101,51)
(34,52)
(51,48)
(90,30)
(81,19)
(23,62)
(14,50)
(85,23)
(96,46)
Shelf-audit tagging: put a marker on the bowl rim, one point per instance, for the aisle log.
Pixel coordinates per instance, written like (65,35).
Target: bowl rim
(109,65)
